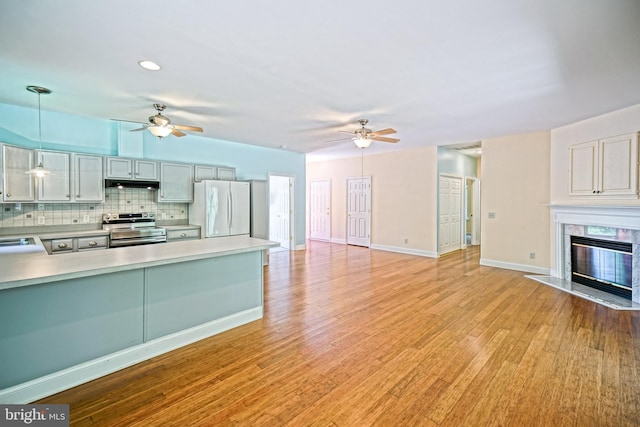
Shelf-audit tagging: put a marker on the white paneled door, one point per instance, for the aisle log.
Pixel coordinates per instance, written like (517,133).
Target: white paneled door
(359,211)
(450,214)
(320,209)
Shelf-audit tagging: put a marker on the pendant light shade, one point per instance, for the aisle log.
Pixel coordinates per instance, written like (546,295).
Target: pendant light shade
(159,131)
(362,142)
(39,171)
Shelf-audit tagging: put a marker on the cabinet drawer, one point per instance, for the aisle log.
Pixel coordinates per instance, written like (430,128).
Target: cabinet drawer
(96,242)
(192,233)
(61,245)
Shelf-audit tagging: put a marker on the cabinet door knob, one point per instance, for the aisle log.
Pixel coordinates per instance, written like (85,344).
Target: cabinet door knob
(183,235)
(93,243)
(62,245)
(8,194)
(594,191)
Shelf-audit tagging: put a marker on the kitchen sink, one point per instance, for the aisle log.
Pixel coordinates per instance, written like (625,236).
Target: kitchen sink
(14,245)
(17,241)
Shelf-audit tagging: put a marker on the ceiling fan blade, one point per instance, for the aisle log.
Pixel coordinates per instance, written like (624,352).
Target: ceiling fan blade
(386,131)
(345,131)
(135,130)
(177,133)
(339,139)
(384,139)
(191,128)
(127,121)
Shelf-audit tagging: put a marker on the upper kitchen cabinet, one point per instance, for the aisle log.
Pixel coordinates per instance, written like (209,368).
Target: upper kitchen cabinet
(607,167)
(55,187)
(226,173)
(17,186)
(88,178)
(122,168)
(204,172)
(176,183)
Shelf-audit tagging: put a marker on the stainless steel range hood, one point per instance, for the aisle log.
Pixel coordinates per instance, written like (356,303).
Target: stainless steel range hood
(123,183)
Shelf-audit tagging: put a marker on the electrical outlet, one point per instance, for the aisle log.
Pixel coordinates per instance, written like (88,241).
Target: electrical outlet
(40,220)
(532,255)
(40,206)
(492,215)
(406,240)
(85,218)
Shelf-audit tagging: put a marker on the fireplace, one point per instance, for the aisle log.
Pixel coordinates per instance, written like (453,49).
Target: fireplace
(602,264)
(596,254)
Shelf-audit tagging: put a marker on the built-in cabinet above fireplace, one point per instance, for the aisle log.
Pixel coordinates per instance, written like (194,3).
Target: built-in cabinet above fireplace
(605,168)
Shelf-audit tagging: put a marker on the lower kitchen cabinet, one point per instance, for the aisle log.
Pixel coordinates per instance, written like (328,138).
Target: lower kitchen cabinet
(186,233)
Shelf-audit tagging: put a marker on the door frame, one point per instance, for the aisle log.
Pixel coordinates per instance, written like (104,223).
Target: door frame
(292,228)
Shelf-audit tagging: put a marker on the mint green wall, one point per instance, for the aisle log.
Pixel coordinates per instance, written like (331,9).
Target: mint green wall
(64,132)
(453,162)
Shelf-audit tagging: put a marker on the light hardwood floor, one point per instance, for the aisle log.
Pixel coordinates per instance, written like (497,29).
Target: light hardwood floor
(357,337)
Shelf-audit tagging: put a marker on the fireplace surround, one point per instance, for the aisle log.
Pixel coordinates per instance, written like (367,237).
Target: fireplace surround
(608,223)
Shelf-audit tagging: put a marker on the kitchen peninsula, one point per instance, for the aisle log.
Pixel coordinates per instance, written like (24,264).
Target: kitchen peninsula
(67,319)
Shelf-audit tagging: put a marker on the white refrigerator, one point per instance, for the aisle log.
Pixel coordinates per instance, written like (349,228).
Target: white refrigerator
(221,208)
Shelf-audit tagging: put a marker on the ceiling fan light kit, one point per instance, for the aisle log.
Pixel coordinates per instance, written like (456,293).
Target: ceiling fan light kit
(159,131)
(161,126)
(362,142)
(39,171)
(363,137)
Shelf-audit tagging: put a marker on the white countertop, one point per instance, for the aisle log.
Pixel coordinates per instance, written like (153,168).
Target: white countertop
(24,269)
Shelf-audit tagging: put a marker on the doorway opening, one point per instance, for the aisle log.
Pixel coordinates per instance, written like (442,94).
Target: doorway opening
(281,214)
(472,212)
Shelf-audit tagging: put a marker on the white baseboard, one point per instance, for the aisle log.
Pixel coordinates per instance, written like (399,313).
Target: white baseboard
(407,251)
(339,241)
(300,247)
(511,266)
(87,371)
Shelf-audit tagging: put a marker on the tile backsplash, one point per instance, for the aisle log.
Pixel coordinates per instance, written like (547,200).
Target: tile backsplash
(127,200)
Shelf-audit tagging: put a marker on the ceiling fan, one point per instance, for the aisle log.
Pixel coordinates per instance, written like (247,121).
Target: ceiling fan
(363,137)
(161,126)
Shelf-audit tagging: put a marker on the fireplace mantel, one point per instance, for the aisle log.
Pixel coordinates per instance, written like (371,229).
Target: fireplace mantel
(607,216)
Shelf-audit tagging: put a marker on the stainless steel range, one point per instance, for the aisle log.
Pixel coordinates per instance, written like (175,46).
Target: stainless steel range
(128,229)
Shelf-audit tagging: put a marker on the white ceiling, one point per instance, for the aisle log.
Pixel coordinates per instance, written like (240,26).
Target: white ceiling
(286,73)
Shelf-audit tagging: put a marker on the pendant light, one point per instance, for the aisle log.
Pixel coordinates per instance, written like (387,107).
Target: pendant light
(362,142)
(39,171)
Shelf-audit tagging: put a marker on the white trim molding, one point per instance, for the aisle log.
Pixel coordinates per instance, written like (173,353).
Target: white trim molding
(512,266)
(407,251)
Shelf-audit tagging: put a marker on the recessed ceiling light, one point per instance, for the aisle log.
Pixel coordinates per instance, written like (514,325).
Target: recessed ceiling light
(149,65)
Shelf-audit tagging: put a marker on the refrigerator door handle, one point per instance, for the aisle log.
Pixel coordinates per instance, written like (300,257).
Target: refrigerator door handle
(230,210)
